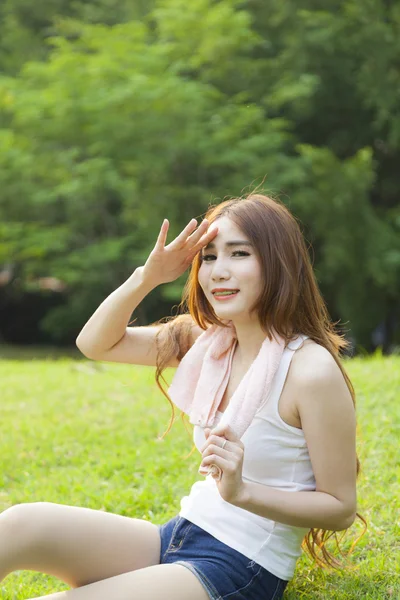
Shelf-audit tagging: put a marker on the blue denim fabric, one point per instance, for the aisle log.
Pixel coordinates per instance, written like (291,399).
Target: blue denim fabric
(224,572)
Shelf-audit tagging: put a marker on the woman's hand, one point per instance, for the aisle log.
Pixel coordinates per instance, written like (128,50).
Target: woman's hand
(228,460)
(167,263)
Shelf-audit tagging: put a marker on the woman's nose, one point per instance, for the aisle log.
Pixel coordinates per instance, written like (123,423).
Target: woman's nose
(219,270)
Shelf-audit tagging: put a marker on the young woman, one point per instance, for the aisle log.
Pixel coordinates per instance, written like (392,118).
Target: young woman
(287,482)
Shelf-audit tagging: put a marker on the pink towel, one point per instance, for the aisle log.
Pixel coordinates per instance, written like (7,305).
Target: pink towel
(202,372)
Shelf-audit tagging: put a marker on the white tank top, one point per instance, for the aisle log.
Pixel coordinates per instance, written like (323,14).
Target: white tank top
(275,455)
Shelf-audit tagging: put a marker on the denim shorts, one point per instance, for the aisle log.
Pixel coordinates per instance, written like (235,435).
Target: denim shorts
(224,572)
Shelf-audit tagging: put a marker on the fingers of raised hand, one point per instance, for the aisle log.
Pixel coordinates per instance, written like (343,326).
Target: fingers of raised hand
(181,239)
(162,236)
(201,237)
(184,235)
(188,238)
(193,238)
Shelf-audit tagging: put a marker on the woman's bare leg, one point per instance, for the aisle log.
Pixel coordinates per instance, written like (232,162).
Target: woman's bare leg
(160,582)
(78,545)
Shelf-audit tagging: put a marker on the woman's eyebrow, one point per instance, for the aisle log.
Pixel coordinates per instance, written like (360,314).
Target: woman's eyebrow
(228,244)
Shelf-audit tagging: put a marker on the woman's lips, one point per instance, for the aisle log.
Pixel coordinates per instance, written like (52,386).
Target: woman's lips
(225,297)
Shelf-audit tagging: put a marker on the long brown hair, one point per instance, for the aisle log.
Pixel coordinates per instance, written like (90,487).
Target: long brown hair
(290,302)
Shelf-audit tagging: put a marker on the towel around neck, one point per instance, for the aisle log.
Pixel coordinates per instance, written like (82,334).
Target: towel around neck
(203,371)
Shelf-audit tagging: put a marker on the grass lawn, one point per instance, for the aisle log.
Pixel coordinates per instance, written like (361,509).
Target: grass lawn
(86,434)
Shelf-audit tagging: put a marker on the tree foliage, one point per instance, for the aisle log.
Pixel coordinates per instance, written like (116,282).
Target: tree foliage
(125,119)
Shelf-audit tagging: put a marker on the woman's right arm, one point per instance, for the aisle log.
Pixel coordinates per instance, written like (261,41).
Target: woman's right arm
(106,336)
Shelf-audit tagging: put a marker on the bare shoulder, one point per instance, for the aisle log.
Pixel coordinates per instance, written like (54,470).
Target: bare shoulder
(313,374)
(313,362)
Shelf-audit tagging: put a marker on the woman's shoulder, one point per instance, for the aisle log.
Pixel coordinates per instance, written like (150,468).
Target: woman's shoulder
(312,361)
(312,367)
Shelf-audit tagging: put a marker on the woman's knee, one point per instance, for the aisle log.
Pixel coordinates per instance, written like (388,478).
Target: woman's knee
(18,536)
(19,513)
(19,522)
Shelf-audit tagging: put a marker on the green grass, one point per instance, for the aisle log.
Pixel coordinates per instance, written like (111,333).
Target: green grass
(86,434)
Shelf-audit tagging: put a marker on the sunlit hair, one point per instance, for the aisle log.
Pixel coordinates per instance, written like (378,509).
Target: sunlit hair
(290,302)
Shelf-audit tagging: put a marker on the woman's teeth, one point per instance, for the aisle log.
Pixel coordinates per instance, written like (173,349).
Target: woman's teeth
(219,295)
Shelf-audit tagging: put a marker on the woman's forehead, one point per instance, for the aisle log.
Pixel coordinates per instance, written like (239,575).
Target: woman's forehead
(226,227)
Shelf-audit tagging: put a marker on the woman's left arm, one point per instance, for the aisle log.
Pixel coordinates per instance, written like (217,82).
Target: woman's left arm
(328,421)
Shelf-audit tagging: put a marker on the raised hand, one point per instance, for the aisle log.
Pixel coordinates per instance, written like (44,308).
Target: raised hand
(167,263)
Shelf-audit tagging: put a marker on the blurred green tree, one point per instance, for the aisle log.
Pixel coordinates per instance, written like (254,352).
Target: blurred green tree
(123,125)
(106,138)
(26,26)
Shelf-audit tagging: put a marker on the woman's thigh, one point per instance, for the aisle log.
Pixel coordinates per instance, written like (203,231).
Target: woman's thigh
(78,545)
(159,582)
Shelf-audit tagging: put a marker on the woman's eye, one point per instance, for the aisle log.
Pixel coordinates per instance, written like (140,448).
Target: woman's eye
(241,252)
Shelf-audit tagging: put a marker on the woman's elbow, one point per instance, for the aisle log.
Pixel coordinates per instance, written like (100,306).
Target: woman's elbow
(346,522)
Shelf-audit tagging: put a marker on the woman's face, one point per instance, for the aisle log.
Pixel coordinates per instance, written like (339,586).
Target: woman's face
(232,267)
